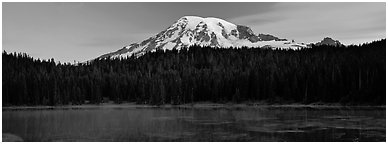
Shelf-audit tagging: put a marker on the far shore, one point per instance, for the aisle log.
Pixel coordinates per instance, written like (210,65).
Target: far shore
(192,105)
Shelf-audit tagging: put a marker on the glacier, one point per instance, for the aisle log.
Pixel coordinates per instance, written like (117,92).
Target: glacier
(210,31)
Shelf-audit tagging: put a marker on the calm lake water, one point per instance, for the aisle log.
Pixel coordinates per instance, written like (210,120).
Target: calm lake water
(197,124)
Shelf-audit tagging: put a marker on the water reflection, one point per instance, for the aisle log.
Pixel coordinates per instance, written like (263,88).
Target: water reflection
(197,124)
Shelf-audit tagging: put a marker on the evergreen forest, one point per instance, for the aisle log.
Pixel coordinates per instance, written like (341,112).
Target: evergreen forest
(347,75)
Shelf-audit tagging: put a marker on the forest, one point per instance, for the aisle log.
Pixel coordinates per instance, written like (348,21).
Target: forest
(347,75)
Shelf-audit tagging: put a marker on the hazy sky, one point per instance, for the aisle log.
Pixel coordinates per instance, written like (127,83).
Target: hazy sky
(83,31)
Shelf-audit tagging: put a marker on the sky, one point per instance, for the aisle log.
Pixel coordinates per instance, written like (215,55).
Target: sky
(79,32)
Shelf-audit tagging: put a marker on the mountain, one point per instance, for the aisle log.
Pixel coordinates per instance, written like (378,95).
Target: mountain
(194,30)
(329,41)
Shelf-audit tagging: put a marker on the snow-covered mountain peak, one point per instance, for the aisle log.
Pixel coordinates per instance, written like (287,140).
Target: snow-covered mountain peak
(210,31)
(192,22)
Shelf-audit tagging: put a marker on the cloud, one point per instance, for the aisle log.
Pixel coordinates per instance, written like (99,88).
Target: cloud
(81,31)
(260,20)
(309,22)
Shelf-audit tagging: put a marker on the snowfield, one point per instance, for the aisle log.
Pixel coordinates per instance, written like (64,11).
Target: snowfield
(194,30)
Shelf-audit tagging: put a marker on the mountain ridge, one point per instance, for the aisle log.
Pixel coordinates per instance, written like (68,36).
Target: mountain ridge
(329,41)
(209,31)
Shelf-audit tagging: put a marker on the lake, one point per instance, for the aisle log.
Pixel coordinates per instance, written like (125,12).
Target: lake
(253,123)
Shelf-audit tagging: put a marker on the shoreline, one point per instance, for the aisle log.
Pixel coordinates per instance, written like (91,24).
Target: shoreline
(194,105)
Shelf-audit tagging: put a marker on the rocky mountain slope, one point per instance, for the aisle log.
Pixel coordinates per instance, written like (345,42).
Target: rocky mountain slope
(329,41)
(214,32)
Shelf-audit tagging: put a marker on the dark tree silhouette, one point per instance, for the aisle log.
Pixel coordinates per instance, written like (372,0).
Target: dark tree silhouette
(346,74)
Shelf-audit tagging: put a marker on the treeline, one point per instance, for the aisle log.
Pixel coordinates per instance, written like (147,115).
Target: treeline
(322,74)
